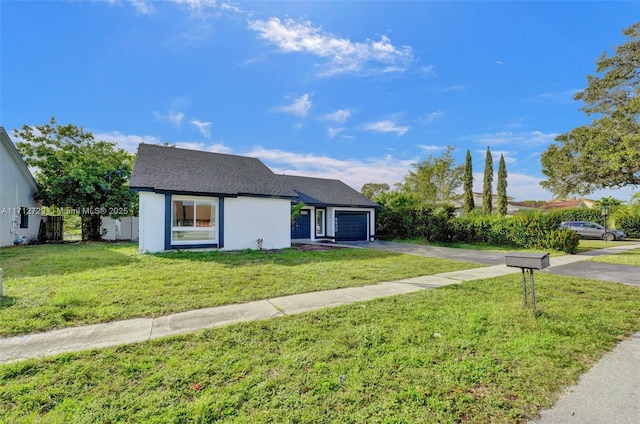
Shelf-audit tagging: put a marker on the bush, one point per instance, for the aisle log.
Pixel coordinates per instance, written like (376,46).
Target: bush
(529,229)
(564,240)
(630,225)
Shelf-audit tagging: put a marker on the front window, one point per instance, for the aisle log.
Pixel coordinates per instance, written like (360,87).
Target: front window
(319,222)
(193,221)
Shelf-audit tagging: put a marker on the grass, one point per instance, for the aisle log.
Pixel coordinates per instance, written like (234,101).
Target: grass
(56,286)
(631,257)
(466,353)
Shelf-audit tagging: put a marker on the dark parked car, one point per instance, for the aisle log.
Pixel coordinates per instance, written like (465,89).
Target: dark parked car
(593,230)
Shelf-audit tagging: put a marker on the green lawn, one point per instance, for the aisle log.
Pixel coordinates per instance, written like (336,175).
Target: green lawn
(631,257)
(465,353)
(56,286)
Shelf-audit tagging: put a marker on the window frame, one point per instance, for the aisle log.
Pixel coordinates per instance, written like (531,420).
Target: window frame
(213,229)
(323,213)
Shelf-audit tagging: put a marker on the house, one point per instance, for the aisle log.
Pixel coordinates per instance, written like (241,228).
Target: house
(512,207)
(196,199)
(569,203)
(20,214)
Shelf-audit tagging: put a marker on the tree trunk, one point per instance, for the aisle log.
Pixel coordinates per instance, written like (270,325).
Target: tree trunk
(91,228)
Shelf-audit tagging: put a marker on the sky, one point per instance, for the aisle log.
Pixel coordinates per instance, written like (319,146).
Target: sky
(355,90)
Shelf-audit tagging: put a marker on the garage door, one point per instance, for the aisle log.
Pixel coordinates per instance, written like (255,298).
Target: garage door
(351,226)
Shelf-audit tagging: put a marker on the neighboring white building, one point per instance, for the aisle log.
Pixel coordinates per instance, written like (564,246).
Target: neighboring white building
(20,215)
(194,199)
(512,207)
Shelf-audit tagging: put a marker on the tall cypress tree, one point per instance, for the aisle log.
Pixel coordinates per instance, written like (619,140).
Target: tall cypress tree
(502,187)
(487,187)
(469,204)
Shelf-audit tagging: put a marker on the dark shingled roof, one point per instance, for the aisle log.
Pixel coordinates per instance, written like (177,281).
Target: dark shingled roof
(326,192)
(170,169)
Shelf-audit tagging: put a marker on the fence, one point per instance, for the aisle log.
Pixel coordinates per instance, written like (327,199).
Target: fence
(51,228)
(125,228)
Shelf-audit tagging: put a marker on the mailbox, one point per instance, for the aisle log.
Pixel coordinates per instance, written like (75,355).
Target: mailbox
(527,260)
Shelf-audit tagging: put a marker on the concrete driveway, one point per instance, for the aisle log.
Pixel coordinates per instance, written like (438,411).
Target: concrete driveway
(584,269)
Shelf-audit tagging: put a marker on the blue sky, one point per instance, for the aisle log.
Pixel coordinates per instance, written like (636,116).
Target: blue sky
(353,90)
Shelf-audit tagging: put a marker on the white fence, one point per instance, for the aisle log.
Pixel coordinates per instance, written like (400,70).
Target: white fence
(125,228)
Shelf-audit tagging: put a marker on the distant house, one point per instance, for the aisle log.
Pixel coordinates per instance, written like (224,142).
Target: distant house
(195,199)
(569,203)
(20,215)
(512,207)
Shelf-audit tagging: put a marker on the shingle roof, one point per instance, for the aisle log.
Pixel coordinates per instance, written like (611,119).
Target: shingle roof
(326,192)
(171,169)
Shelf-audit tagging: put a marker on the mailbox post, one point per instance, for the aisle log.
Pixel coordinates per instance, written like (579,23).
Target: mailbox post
(527,262)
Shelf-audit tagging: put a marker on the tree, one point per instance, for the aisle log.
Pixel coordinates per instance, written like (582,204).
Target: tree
(502,186)
(436,179)
(606,152)
(75,171)
(469,202)
(487,187)
(373,190)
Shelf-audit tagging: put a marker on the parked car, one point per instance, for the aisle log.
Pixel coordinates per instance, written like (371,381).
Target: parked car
(593,230)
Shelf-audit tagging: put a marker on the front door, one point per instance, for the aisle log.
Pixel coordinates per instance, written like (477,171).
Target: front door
(301,228)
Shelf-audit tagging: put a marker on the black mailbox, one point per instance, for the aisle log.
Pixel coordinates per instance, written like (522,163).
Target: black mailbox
(527,260)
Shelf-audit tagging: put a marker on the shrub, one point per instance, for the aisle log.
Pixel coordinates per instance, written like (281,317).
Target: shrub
(564,240)
(630,225)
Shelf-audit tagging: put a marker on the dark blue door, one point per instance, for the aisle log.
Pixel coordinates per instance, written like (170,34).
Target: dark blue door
(351,226)
(301,228)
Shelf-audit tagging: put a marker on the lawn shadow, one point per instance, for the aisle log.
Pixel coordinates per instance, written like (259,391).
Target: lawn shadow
(288,256)
(58,259)
(6,302)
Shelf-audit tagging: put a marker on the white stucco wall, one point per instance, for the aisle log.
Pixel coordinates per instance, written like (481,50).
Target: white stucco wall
(247,219)
(16,190)
(151,222)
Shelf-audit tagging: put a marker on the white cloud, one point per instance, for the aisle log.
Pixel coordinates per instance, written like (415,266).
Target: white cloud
(127,142)
(433,116)
(341,55)
(557,96)
(173,118)
(519,186)
(509,137)
(196,4)
(428,70)
(429,148)
(340,115)
(385,126)
(143,7)
(458,87)
(354,172)
(300,106)
(215,148)
(203,127)
(332,132)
